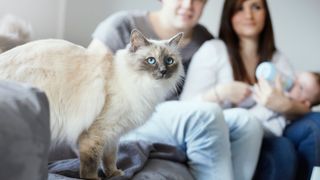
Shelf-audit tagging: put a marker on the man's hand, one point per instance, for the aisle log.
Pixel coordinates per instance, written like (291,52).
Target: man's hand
(271,97)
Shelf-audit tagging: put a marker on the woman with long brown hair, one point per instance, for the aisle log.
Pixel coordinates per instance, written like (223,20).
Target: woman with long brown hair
(223,70)
(228,65)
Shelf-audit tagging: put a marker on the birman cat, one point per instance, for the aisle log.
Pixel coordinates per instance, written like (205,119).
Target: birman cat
(95,98)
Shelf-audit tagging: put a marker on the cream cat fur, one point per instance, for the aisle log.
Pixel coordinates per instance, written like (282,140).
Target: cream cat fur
(94,99)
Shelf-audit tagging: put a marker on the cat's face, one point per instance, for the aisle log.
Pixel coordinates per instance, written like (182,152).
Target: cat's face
(160,59)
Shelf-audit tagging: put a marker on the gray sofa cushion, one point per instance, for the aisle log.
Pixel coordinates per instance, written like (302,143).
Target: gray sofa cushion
(24,132)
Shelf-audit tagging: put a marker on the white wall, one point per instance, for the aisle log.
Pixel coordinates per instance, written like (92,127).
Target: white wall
(297,31)
(44,15)
(296,22)
(84,15)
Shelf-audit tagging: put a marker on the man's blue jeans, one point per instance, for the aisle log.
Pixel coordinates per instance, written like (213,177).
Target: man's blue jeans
(278,160)
(294,155)
(304,133)
(220,145)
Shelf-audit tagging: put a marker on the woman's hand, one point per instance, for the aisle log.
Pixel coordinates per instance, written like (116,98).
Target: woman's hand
(271,97)
(275,99)
(234,92)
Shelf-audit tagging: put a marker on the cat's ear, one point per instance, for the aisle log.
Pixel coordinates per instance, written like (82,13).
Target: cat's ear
(137,40)
(175,40)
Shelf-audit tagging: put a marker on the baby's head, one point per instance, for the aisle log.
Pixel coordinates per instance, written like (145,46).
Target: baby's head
(306,88)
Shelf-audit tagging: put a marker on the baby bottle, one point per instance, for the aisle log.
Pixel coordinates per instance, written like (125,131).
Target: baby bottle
(268,71)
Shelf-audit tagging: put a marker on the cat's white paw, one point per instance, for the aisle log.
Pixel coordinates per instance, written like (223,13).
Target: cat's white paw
(112,173)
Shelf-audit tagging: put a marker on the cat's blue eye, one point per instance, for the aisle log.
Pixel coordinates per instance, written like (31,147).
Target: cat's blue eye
(151,60)
(169,61)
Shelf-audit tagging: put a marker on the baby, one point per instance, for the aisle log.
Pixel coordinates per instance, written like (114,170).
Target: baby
(306,89)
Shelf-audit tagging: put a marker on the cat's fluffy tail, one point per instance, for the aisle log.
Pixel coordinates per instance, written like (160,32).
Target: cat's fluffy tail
(13,32)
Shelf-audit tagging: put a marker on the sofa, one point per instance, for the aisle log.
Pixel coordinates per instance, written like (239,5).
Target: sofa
(24,142)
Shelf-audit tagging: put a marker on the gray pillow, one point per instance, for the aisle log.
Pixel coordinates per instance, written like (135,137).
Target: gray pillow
(24,132)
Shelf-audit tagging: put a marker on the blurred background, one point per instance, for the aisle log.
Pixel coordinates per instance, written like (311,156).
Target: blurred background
(296,22)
